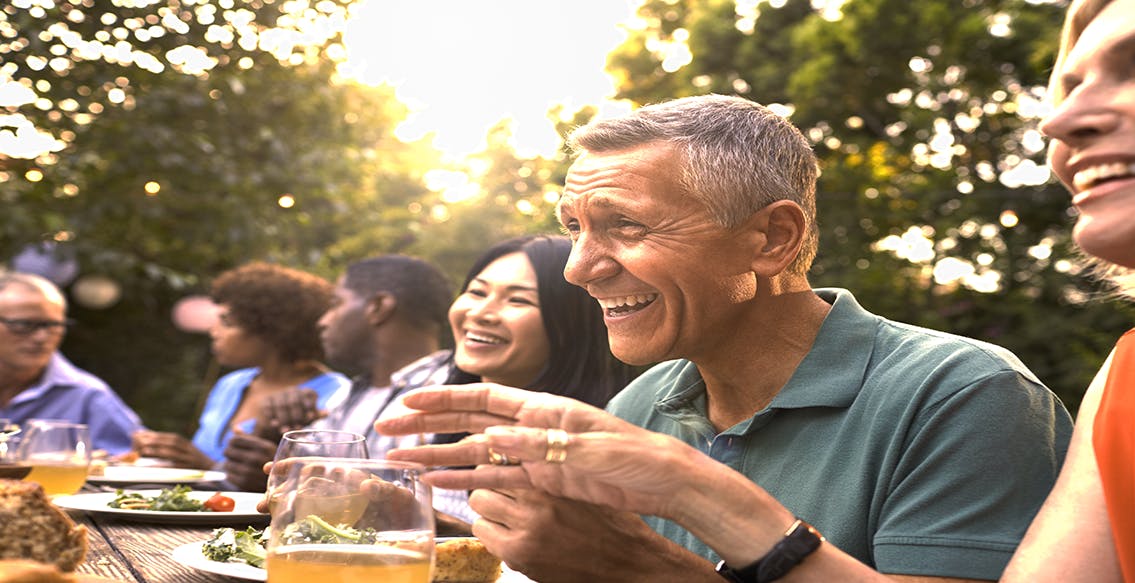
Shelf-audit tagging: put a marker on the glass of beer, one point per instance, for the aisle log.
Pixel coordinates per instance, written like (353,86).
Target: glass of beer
(58,453)
(350,519)
(313,443)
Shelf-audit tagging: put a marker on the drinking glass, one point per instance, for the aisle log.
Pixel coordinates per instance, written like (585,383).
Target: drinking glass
(10,468)
(58,453)
(351,520)
(313,443)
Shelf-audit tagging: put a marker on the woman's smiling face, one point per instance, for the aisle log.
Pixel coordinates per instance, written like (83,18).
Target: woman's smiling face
(1093,133)
(497,324)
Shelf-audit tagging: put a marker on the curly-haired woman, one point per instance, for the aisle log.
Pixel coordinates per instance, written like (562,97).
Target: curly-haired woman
(266,325)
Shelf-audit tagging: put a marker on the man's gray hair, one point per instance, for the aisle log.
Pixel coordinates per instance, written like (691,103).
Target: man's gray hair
(35,283)
(738,156)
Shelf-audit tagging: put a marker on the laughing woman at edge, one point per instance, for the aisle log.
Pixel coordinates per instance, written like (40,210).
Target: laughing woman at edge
(1086,529)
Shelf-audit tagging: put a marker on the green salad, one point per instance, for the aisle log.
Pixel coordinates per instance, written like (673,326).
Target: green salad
(174,499)
(228,545)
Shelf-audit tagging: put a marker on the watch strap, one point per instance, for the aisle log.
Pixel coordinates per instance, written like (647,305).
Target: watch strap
(800,540)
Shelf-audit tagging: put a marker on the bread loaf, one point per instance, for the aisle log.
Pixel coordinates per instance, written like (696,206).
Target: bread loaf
(26,571)
(37,530)
(464,560)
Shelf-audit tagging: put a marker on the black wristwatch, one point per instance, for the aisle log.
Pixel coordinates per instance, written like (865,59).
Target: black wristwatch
(799,541)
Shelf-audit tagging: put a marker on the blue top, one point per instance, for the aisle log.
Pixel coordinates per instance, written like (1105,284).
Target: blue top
(66,391)
(213,431)
(915,451)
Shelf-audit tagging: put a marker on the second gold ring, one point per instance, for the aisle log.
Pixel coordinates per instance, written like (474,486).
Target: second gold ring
(557,446)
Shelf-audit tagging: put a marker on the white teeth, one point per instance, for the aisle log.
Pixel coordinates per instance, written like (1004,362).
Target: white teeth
(1089,176)
(630,301)
(483,338)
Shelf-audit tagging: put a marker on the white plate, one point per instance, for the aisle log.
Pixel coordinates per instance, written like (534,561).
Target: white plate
(244,511)
(189,554)
(125,475)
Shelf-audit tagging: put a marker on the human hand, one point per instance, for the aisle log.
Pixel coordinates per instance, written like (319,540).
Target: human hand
(608,461)
(247,461)
(286,410)
(170,446)
(543,537)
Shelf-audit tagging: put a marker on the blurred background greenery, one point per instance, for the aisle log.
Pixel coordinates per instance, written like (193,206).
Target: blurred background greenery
(147,145)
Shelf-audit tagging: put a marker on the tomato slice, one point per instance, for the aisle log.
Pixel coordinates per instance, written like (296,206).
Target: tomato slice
(220,503)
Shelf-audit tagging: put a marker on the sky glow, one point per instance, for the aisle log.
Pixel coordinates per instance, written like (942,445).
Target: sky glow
(463,66)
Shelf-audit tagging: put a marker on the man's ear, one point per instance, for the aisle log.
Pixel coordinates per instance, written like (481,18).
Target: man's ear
(380,308)
(780,229)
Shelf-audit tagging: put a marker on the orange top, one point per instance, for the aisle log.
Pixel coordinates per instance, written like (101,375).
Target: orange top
(1113,440)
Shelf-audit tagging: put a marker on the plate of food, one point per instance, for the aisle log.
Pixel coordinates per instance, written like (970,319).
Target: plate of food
(241,554)
(192,555)
(177,505)
(127,475)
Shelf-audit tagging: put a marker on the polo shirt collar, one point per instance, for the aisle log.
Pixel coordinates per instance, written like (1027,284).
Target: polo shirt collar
(830,375)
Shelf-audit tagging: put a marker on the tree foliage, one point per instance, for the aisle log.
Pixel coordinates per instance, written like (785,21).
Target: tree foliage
(192,137)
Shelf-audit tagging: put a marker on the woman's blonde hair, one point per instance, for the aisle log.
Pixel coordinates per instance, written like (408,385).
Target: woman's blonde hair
(1080,14)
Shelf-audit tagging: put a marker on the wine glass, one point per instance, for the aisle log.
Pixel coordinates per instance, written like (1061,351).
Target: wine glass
(313,443)
(58,453)
(350,519)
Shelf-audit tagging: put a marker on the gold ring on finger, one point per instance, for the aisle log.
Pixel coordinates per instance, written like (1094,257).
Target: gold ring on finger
(497,458)
(557,446)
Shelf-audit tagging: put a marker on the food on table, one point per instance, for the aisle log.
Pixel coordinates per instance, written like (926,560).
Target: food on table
(464,560)
(314,530)
(97,467)
(24,571)
(174,499)
(228,545)
(126,458)
(220,503)
(458,560)
(36,529)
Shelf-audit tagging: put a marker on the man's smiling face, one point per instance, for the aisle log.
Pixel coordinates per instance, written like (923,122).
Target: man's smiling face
(668,277)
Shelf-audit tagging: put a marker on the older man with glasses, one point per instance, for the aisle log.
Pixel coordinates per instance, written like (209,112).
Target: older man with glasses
(37,382)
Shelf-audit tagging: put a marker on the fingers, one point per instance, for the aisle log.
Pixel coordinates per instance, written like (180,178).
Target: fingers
(454,454)
(494,477)
(530,444)
(247,477)
(489,398)
(299,410)
(439,422)
(291,409)
(249,449)
(245,458)
(161,445)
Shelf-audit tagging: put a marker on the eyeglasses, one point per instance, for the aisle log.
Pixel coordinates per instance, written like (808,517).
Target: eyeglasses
(22,327)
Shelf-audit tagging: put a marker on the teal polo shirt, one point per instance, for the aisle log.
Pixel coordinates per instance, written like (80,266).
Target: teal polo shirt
(915,451)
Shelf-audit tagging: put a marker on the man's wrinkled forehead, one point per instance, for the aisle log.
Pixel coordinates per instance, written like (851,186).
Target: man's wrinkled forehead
(598,176)
(584,183)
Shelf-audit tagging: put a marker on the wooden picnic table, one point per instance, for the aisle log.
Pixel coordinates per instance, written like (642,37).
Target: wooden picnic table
(136,552)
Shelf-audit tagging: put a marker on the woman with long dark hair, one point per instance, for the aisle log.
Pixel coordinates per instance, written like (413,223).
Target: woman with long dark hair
(578,361)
